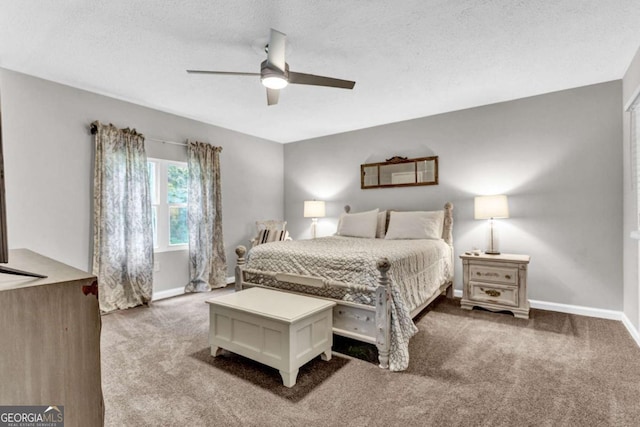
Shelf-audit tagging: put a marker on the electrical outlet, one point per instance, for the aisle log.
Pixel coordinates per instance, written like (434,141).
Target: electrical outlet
(156,266)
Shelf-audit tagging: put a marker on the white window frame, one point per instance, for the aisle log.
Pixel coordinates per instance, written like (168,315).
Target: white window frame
(163,206)
(169,163)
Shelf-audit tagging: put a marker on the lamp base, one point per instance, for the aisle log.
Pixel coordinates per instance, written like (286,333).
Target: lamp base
(492,252)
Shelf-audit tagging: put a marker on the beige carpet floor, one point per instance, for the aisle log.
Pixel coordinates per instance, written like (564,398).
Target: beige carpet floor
(467,368)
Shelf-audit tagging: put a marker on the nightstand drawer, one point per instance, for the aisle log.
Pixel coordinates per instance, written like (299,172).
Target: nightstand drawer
(505,275)
(497,294)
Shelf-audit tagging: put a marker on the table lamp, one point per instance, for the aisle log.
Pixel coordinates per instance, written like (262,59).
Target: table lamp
(491,207)
(314,209)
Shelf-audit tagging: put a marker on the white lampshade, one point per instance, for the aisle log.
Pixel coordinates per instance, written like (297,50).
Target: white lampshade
(487,207)
(314,209)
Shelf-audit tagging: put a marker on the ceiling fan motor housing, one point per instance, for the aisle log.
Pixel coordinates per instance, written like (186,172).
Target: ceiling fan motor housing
(267,70)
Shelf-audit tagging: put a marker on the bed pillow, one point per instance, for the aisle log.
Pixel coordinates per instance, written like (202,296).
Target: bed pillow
(415,225)
(362,224)
(270,235)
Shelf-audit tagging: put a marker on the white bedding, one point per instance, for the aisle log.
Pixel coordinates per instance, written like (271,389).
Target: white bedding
(418,268)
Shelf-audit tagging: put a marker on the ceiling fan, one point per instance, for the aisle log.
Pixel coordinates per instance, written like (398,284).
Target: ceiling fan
(274,71)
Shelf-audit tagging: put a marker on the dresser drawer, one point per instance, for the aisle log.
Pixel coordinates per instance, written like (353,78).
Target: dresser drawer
(504,275)
(496,294)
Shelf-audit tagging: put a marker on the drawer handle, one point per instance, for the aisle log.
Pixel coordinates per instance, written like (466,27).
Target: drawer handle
(507,276)
(488,274)
(91,289)
(492,293)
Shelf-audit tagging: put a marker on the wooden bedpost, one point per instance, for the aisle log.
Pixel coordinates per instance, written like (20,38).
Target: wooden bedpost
(447,235)
(240,251)
(447,232)
(383,313)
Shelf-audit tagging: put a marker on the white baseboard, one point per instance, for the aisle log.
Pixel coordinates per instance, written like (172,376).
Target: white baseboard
(567,308)
(576,309)
(582,311)
(542,305)
(179,291)
(168,293)
(632,330)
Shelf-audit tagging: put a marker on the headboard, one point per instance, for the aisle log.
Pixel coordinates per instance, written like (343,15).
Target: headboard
(447,228)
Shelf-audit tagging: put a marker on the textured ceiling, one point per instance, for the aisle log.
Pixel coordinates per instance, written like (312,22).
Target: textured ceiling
(409,58)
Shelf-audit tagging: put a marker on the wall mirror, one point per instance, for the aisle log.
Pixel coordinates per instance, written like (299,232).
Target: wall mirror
(400,172)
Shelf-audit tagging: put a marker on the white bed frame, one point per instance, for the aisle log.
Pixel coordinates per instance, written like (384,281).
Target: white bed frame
(371,324)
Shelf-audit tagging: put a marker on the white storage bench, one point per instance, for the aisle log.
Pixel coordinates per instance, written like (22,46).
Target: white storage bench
(279,329)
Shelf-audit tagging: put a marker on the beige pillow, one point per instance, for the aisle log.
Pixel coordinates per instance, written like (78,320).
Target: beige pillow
(415,225)
(362,224)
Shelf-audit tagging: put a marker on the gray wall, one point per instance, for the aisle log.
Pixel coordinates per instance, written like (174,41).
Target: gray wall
(630,84)
(557,156)
(49,161)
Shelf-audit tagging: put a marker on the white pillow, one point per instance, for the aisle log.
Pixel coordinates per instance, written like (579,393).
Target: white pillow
(363,224)
(382,225)
(415,225)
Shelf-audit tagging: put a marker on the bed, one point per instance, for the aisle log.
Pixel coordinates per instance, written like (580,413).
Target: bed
(379,284)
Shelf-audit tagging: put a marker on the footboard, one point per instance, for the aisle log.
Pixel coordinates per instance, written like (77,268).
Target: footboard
(371,324)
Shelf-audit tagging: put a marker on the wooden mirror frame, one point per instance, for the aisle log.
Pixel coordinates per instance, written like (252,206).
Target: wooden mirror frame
(397,160)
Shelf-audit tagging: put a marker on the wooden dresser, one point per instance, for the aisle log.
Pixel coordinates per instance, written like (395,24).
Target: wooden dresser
(496,283)
(50,339)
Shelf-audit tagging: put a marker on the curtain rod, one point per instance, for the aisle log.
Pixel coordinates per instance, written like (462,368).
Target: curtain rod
(94,130)
(150,138)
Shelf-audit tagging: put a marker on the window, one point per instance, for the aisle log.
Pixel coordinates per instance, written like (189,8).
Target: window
(177,181)
(168,182)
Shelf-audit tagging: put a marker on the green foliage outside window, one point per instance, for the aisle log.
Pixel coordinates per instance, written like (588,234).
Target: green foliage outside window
(177,193)
(178,231)
(177,180)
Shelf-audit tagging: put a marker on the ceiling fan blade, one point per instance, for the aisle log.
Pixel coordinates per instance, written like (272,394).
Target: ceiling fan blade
(275,54)
(229,73)
(311,79)
(272,96)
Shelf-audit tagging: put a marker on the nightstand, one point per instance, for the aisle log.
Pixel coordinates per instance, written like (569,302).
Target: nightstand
(496,282)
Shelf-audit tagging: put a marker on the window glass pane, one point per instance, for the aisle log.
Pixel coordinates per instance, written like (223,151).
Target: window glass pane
(177,179)
(178,231)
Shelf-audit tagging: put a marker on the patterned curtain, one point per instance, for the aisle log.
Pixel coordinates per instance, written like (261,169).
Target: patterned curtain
(122,228)
(207,260)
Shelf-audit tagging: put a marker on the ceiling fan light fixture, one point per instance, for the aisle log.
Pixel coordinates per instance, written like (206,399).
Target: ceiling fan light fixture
(274,71)
(274,82)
